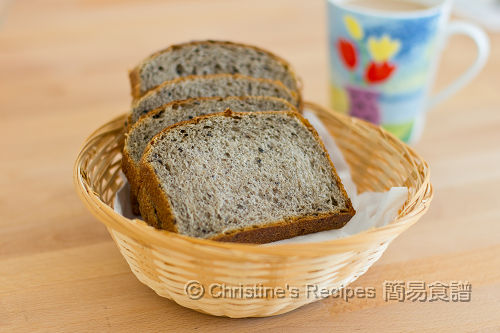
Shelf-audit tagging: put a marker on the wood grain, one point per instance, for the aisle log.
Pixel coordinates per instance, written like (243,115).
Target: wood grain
(63,69)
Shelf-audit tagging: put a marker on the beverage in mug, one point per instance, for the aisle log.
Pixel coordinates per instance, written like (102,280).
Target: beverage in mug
(383,57)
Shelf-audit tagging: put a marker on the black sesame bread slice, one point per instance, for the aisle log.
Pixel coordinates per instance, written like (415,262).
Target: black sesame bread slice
(153,122)
(222,85)
(210,57)
(251,177)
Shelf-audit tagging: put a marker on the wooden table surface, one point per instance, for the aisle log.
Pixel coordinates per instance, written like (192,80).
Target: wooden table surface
(63,72)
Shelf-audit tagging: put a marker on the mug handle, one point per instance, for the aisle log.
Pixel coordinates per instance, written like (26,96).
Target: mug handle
(483,49)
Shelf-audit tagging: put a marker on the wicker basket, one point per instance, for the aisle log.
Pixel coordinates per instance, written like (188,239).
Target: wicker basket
(166,261)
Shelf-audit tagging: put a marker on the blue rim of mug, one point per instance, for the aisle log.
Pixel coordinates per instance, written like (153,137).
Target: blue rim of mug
(434,7)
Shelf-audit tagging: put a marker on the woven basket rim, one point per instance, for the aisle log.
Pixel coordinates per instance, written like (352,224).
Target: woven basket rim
(139,230)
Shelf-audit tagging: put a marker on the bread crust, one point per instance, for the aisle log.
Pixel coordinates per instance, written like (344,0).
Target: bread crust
(132,173)
(135,73)
(156,210)
(285,229)
(154,206)
(131,169)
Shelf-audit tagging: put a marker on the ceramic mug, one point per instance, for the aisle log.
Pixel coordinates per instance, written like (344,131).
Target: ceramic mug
(383,61)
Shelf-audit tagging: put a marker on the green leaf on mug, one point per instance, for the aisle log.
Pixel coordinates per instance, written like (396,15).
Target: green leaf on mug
(402,131)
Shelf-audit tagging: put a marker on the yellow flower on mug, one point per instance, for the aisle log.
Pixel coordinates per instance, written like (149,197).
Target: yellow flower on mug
(384,48)
(339,99)
(353,27)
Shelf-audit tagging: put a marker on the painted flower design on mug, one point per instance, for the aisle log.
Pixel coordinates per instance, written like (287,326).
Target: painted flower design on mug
(373,55)
(346,48)
(381,51)
(353,27)
(378,72)
(368,59)
(384,48)
(348,53)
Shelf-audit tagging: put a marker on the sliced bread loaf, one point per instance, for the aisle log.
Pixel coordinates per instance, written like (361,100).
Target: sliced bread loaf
(244,177)
(209,57)
(152,123)
(222,85)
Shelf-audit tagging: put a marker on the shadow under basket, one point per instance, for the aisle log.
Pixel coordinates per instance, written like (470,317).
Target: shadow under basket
(167,262)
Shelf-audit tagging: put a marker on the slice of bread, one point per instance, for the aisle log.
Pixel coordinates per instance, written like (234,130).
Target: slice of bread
(222,85)
(152,123)
(251,177)
(210,57)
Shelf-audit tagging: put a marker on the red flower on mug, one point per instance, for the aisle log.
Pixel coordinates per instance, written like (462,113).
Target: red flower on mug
(348,53)
(378,72)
